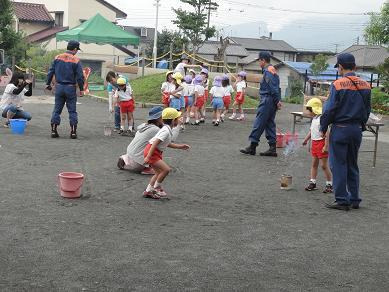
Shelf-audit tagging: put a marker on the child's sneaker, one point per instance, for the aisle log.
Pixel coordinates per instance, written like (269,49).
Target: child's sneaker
(311,187)
(196,124)
(160,192)
(121,132)
(328,189)
(232,117)
(151,195)
(202,121)
(216,123)
(241,118)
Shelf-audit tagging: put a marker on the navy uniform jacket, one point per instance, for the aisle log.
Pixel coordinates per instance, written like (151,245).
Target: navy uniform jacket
(347,105)
(270,84)
(67,70)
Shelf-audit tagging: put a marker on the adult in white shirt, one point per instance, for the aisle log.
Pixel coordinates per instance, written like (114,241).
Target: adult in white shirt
(13,96)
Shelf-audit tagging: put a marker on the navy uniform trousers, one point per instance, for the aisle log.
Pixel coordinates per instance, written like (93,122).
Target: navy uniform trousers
(345,140)
(265,121)
(65,94)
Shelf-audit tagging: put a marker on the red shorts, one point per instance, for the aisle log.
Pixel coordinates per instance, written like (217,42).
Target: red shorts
(199,102)
(239,98)
(317,149)
(227,100)
(157,155)
(127,106)
(166,98)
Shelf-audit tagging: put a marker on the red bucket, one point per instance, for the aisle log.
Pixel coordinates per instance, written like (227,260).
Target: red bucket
(291,138)
(70,184)
(280,140)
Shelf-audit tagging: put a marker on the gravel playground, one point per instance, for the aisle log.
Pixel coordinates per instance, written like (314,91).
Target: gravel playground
(227,227)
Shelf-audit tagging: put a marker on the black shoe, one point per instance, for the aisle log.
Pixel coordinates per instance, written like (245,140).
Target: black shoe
(73,133)
(337,206)
(216,124)
(355,206)
(54,132)
(202,121)
(311,187)
(196,124)
(272,152)
(250,150)
(121,163)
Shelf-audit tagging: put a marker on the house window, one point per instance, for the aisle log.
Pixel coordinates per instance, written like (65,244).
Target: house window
(143,32)
(59,18)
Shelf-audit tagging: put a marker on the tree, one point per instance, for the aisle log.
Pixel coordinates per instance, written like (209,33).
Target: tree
(319,64)
(383,70)
(377,31)
(41,59)
(165,38)
(193,24)
(10,41)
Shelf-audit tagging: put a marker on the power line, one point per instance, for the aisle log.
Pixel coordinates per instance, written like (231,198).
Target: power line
(295,10)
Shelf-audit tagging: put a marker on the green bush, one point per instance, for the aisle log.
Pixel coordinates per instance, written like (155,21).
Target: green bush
(95,78)
(379,101)
(40,59)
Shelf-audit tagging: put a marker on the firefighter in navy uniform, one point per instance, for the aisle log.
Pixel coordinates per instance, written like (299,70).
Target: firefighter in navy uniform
(347,110)
(270,102)
(68,73)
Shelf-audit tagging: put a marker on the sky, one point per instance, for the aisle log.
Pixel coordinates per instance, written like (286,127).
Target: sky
(313,24)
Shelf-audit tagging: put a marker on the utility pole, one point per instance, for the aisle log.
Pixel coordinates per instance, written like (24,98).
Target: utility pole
(156,35)
(336,48)
(209,14)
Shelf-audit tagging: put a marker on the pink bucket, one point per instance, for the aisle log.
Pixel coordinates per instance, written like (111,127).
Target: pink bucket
(70,184)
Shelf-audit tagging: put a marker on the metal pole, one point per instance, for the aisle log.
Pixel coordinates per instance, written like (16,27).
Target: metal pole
(171,57)
(209,14)
(155,36)
(143,62)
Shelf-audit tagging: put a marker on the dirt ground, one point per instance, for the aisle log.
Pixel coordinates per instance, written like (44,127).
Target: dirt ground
(227,227)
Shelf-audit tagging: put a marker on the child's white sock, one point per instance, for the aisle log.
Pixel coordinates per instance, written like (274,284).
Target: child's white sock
(313,180)
(157,184)
(130,128)
(329,182)
(122,128)
(222,116)
(187,119)
(149,188)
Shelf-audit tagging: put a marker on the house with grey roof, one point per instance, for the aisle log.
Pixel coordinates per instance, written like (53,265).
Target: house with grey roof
(278,48)
(367,57)
(234,52)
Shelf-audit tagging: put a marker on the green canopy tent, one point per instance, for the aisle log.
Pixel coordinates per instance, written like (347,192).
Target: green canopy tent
(100,31)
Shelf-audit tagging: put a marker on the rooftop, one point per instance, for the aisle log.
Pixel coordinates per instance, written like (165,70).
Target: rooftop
(366,56)
(211,48)
(264,44)
(45,34)
(31,12)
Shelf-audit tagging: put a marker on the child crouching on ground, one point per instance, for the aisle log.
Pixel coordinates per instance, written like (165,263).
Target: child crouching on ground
(153,153)
(217,93)
(319,147)
(123,96)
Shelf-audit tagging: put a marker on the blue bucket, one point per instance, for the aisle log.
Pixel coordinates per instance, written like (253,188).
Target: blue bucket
(18,126)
